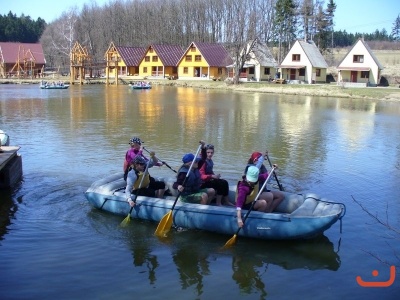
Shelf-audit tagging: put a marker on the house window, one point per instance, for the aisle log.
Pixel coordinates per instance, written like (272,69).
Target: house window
(302,72)
(185,70)
(147,58)
(358,58)
(251,71)
(318,72)
(197,58)
(151,50)
(295,57)
(155,58)
(188,58)
(267,71)
(193,49)
(365,74)
(144,69)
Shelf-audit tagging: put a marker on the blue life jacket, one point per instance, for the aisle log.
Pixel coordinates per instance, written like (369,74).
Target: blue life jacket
(193,181)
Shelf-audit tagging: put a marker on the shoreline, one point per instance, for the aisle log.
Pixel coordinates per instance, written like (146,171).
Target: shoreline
(319,90)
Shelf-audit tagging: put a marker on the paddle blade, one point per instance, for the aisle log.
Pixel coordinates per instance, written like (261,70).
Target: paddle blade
(126,221)
(230,242)
(165,225)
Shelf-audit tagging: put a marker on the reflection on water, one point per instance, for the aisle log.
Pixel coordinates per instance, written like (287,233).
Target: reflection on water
(7,210)
(198,255)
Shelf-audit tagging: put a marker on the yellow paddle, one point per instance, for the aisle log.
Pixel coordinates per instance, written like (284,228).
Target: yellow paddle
(166,222)
(126,221)
(232,240)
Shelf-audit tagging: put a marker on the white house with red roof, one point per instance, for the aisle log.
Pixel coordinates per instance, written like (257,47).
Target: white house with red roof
(304,63)
(359,67)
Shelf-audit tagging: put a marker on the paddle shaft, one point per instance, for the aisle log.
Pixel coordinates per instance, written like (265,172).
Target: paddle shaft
(276,177)
(258,195)
(186,177)
(161,161)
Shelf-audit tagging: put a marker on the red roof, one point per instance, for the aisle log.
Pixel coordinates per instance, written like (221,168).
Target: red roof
(9,52)
(132,56)
(214,54)
(168,54)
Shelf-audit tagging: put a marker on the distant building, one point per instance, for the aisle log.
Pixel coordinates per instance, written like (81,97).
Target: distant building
(304,63)
(160,61)
(21,60)
(259,66)
(124,60)
(359,67)
(204,60)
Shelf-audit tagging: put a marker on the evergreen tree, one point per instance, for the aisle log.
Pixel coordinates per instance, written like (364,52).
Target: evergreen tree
(396,29)
(330,14)
(20,29)
(285,24)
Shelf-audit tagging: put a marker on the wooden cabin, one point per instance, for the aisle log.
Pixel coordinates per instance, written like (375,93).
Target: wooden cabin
(123,61)
(204,60)
(21,60)
(359,67)
(304,63)
(160,61)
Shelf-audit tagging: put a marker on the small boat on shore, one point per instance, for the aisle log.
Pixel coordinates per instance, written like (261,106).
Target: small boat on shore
(53,85)
(140,85)
(298,216)
(4,138)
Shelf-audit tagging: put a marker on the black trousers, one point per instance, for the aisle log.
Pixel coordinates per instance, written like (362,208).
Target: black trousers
(221,186)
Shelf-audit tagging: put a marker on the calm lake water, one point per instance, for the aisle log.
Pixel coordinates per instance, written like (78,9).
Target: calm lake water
(54,245)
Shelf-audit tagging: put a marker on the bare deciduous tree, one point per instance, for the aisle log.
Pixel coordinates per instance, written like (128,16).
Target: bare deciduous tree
(393,233)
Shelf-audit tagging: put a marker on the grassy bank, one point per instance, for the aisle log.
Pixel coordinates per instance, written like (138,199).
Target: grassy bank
(323,90)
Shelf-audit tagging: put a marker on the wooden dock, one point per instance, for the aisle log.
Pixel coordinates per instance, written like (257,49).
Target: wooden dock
(10,166)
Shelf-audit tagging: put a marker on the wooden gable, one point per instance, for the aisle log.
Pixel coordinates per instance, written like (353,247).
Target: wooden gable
(21,59)
(206,60)
(112,56)
(193,57)
(79,55)
(160,60)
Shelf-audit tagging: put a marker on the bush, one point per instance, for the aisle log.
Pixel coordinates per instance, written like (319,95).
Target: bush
(383,81)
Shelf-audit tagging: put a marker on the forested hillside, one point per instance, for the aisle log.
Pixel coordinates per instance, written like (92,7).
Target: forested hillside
(20,29)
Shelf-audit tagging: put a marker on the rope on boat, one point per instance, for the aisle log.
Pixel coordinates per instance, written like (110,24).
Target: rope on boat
(339,203)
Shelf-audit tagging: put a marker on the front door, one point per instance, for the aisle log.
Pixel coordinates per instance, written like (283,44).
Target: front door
(353,76)
(292,74)
(196,72)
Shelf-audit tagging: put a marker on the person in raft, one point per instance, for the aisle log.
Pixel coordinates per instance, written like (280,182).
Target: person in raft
(257,159)
(209,178)
(247,191)
(136,149)
(138,181)
(191,191)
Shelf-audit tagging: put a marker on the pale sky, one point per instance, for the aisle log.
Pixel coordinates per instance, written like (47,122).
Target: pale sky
(363,16)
